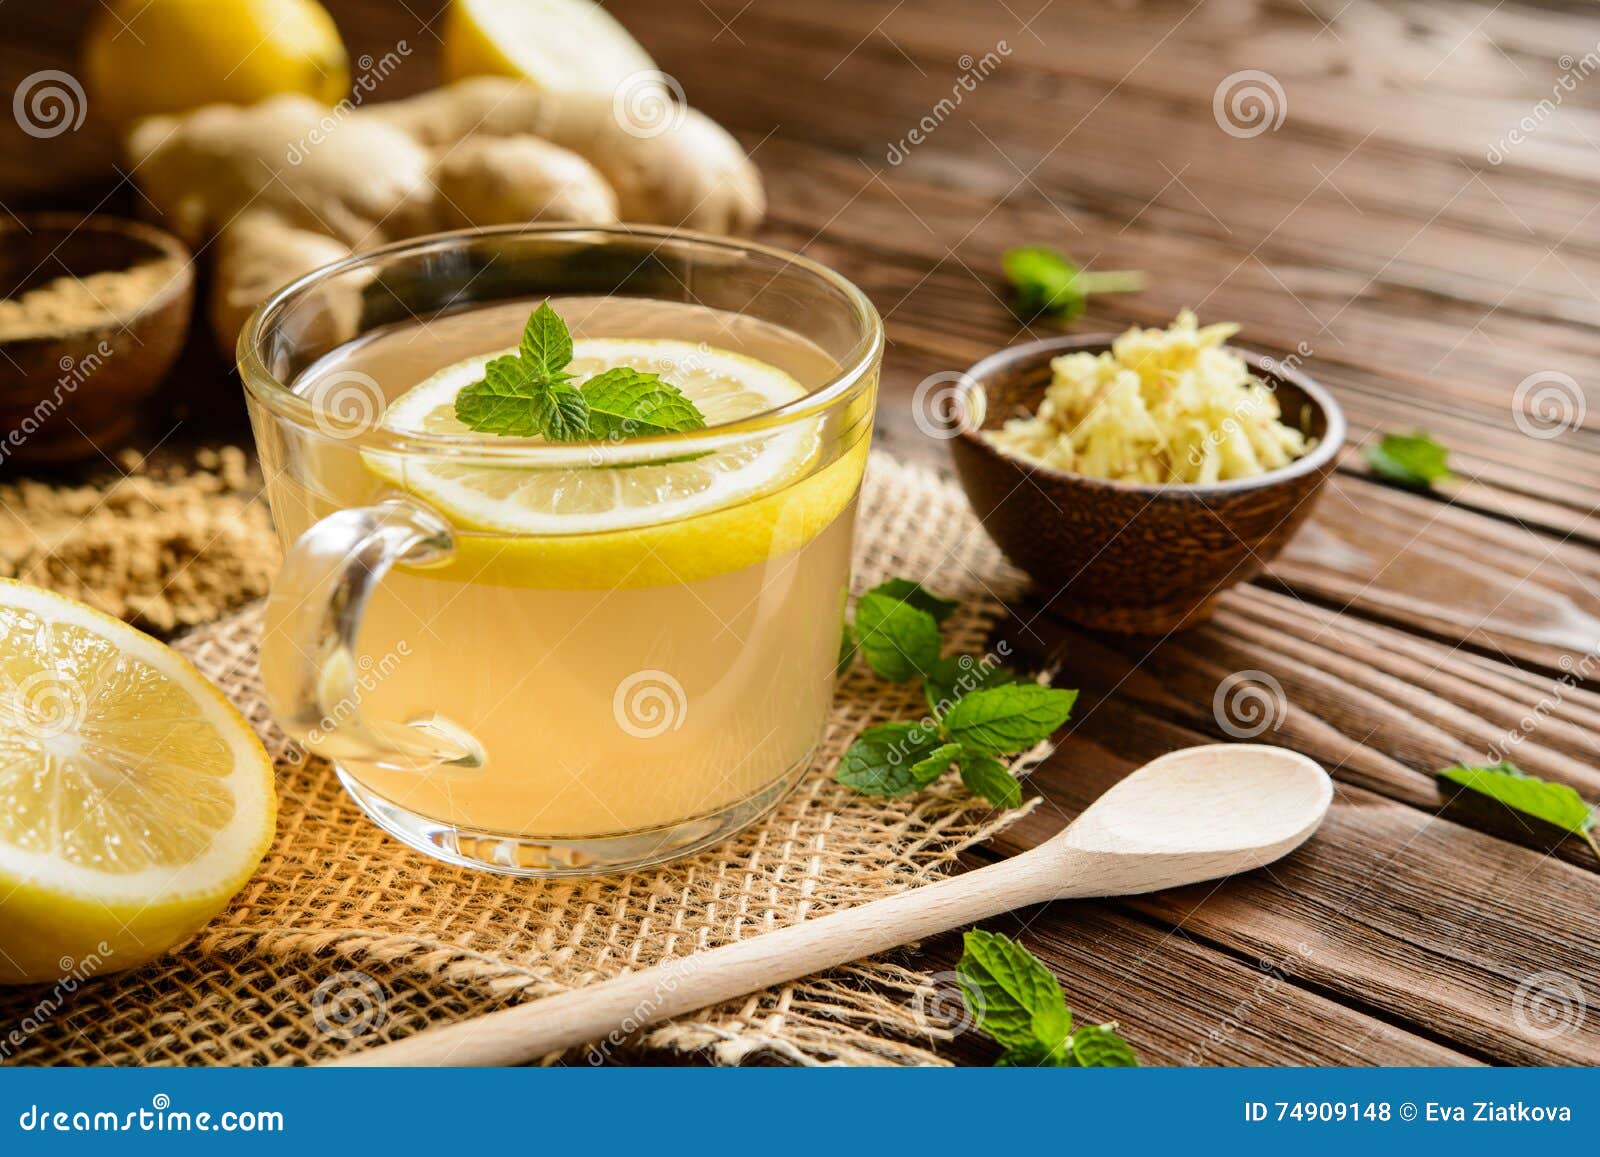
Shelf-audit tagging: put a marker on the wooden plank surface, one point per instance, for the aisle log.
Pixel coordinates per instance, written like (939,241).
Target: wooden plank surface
(1416,264)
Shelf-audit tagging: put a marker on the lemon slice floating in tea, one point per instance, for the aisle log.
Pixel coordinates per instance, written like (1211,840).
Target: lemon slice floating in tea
(577,498)
(134,800)
(575,526)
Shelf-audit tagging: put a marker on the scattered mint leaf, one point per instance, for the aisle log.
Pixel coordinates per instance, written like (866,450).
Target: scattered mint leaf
(1097,1046)
(529,394)
(914,593)
(1010,994)
(1047,281)
(895,759)
(1016,1000)
(938,761)
(986,776)
(546,345)
(1034,1056)
(957,675)
(625,403)
(900,641)
(1007,719)
(1410,459)
(897,630)
(1507,785)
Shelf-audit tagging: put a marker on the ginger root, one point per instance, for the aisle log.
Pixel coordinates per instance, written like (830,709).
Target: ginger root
(260,251)
(684,170)
(287,185)
(504,180)
(204,168)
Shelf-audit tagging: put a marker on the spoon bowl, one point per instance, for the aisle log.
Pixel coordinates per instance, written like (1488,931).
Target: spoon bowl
(1190,815)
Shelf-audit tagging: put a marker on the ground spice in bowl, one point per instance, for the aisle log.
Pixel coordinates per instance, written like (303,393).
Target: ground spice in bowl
(163,548)
(67,305)
(93,314)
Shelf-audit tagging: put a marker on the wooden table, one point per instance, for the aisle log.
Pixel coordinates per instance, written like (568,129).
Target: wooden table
(1422,260)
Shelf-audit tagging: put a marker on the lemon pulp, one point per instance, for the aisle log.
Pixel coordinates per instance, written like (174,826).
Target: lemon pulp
(557,45)
(134,800)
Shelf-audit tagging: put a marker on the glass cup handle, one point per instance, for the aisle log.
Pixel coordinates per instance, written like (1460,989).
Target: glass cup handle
(309,663)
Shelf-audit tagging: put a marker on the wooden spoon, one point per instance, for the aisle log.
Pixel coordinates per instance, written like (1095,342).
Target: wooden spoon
(1191,815)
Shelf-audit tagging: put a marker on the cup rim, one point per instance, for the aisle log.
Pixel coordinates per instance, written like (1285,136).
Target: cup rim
(279,398)
(974,381)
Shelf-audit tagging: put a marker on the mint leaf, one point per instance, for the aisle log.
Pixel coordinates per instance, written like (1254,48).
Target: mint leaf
(624,403)
(1506,785)
(546,346)
(1010,994)
(1047,281)
(1008,719)
(918,596)
(957,675)
(1016,1000)
(987,777)
(563,413)
(1097,1046)
(529,394)
(900,641)
(1035,1056)
(1409,459)
(512,402)
(895,759)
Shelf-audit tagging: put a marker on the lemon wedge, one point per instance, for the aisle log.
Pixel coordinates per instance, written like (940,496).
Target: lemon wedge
(143,57)
(556,45)
(134,800)
(644,524)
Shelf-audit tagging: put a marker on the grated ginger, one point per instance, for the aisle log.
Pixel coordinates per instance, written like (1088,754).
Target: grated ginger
(1162,406)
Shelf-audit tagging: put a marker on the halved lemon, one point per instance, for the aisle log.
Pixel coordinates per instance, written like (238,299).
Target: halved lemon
(578,526)
(134,800)
(557,45)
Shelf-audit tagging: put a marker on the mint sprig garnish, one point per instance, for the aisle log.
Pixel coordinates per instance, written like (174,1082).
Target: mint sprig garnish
(1014,998)
(626,403)
(1489,791)
(515,401)
(978,709)
(530,394)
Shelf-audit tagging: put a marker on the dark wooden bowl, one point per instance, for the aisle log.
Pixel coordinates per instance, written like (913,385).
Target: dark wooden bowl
(76,394)
(1124,556)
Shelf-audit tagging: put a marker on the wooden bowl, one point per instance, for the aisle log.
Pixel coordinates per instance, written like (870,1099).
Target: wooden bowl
(1125,556)
(75,393)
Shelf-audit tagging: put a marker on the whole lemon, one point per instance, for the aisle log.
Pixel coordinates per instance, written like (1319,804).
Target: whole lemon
(166,56)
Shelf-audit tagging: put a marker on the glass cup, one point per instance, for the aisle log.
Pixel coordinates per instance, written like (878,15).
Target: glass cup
(558,659)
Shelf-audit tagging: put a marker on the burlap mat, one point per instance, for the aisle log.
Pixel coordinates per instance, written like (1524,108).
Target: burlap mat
(344,938)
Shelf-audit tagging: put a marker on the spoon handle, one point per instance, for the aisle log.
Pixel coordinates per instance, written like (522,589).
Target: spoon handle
(611,1010)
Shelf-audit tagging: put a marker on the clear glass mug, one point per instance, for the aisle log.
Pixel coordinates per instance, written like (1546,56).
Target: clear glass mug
(553,659)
